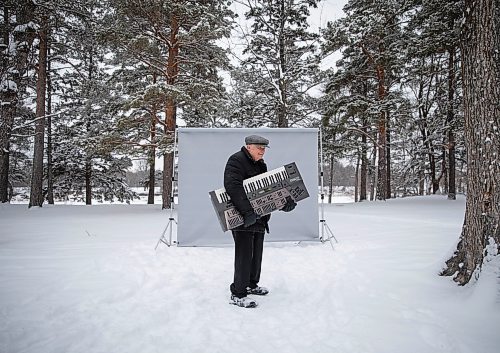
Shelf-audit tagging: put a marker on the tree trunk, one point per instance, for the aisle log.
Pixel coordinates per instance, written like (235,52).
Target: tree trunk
(421,181)
(382,139)
(450,118)
(152,160)
(356,178)
(36,192)
(388,157)
(364,151)
(373,179)
(88,181)
(444,168)
(170,112)
(152,153)
(480,47)
(50,177)
(282,113)
(89,152)
(330,181)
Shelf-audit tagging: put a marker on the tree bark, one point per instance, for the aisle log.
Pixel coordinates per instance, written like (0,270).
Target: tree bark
(152,160)
(152,153)
(89,152)
(282,113)
(450,117)
(480,47)
(330,181)
(356,178)
(170,111)
(50,177)
(382,138)
(364,151)
(36,192)
(373,179)
(388,157)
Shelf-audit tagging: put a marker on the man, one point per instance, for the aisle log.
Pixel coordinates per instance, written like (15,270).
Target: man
(249,237)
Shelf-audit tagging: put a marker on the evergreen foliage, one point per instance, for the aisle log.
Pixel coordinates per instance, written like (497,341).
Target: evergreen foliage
(275,82)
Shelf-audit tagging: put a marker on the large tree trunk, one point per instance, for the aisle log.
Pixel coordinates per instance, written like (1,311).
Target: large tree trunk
(450,117)
(480,46)
(170,112)
(36,192)
(50,177)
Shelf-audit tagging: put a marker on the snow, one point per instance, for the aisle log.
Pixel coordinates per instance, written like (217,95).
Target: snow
(28,26)
(79,278)
(8,85)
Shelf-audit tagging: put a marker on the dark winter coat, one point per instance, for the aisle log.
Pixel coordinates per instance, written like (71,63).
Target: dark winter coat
(241,166)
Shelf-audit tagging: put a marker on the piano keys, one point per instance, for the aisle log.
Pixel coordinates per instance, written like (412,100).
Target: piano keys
(267,193)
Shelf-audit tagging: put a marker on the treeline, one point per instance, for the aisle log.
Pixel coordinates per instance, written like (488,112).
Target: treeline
(88,85)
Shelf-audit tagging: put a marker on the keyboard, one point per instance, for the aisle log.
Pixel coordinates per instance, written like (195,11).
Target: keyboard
(267,193)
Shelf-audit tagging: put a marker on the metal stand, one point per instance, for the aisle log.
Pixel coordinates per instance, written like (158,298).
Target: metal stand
(169,227)
(326,232)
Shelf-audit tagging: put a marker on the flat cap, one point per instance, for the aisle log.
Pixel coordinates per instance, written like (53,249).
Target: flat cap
(256,140)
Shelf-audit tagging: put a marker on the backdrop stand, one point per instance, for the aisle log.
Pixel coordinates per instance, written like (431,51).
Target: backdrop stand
(169,227)
(326,231)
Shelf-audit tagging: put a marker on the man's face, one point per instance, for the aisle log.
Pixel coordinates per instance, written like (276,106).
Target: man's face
(256,151)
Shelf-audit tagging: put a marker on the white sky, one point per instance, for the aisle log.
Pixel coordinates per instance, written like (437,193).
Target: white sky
(327,10)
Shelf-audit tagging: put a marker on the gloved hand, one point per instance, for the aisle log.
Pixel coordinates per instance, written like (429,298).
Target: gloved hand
(290,205)
(249,218)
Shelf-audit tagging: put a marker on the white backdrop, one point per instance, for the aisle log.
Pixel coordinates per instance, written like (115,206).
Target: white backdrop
(203,154)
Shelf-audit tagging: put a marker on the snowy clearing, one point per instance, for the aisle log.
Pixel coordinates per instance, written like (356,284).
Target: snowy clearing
(87,279)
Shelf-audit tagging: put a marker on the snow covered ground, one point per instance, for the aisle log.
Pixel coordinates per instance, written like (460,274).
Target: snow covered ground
(87,279)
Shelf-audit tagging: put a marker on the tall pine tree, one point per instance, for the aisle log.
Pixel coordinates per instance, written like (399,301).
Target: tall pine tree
(184,35)
(280,69)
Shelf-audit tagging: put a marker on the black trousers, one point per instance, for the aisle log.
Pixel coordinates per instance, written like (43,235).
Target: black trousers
(248,248)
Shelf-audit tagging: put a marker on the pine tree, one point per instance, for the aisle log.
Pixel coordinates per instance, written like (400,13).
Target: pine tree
(18,30)
(280,69)
(185,34)
(36,190)
(84,160)
(371,42)
(433,71)
(480,49)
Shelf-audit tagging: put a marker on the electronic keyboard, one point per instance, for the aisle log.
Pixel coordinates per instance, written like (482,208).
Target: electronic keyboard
(267,193)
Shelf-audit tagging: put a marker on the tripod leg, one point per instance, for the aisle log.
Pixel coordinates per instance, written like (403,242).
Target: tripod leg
(331,233)
(162,237)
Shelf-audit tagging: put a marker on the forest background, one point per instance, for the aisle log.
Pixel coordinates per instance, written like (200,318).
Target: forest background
(118,76)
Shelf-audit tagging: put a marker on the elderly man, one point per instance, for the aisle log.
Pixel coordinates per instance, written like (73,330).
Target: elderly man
(249,237)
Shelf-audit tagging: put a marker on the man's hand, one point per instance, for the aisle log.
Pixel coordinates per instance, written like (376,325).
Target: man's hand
(290,205)
(249,219)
